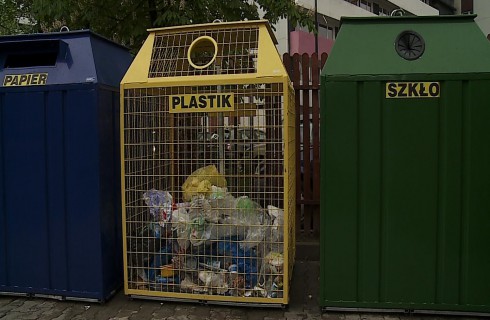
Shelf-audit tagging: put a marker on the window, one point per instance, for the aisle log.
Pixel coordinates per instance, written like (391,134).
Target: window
(466,6)
(374,6)
(383,12)
(366,5)
(329,32)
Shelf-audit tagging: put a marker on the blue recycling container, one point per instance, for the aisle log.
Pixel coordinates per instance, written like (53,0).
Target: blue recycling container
(60,229)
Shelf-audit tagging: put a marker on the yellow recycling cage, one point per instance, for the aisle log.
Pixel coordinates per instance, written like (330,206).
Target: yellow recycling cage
(209,166)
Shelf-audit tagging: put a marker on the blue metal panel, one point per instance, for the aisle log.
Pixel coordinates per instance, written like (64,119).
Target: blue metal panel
(110,171)
(110,66)
(53,234)
(25,185)
(56,189)
(82,189)
(3,212)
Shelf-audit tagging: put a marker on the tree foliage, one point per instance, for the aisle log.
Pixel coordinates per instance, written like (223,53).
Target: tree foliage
(126,21)
(16,17)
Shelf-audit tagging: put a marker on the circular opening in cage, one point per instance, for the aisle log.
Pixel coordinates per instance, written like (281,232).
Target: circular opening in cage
(202,52)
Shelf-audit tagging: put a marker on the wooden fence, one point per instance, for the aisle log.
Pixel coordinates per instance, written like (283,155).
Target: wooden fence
(304,72)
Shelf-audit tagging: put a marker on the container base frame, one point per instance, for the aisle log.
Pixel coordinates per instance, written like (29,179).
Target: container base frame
(407,311)
(210,302)
(58,297)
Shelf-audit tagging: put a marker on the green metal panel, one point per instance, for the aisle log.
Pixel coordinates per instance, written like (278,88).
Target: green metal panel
(405,184)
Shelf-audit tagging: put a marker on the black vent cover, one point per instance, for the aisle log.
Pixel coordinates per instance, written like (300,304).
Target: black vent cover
(410,45)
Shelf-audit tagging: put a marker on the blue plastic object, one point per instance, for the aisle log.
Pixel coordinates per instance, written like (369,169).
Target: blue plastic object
(158,260)
(245,260)
(59,165)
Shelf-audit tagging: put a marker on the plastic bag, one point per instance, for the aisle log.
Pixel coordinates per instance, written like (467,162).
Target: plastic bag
(208,219)
(199,231)
(276,240)
(201,182)
(222,216)
(214,281)
(218,193)
(251,214)
(187,285)
(160,204)
(202,207)
(240,211)
(180,221)
(275,260)
(225,206)
(270,281)
(277,216)
(238,217)
(192,228)
(248,209)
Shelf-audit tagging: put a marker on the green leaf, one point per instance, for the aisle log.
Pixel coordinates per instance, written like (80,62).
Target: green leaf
(126,21)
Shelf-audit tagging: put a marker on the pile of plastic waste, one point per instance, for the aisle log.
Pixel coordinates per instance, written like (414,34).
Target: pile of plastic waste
(211,243)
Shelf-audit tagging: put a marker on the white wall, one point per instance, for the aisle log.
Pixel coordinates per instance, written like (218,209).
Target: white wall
(416,7)
(281,33)
(339,8)
(482,9)
(457,5)
(335,8)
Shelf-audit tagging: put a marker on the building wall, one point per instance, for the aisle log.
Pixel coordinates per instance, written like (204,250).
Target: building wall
(333,10)
(281,33)
(482,9)
(457,6)
(445,7)
(304,42)
(416,7)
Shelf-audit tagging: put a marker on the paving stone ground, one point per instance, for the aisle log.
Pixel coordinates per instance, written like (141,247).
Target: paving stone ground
(303,305)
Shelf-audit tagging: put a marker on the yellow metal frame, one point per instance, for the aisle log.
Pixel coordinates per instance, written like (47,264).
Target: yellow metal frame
(269,64)
(270,69)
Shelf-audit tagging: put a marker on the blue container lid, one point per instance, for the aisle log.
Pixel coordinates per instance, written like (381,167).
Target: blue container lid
(61,58)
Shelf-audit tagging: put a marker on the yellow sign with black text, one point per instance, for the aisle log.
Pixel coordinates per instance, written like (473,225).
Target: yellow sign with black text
(206,102)
(406,90)
(28,79)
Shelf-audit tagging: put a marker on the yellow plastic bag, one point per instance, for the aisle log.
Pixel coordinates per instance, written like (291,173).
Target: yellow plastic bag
(201,181)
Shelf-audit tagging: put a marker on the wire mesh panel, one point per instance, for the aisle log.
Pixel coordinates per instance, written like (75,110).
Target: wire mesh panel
(209,167)
(237,52)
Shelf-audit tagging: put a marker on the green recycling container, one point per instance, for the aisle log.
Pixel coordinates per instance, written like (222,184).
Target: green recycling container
(405,188)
